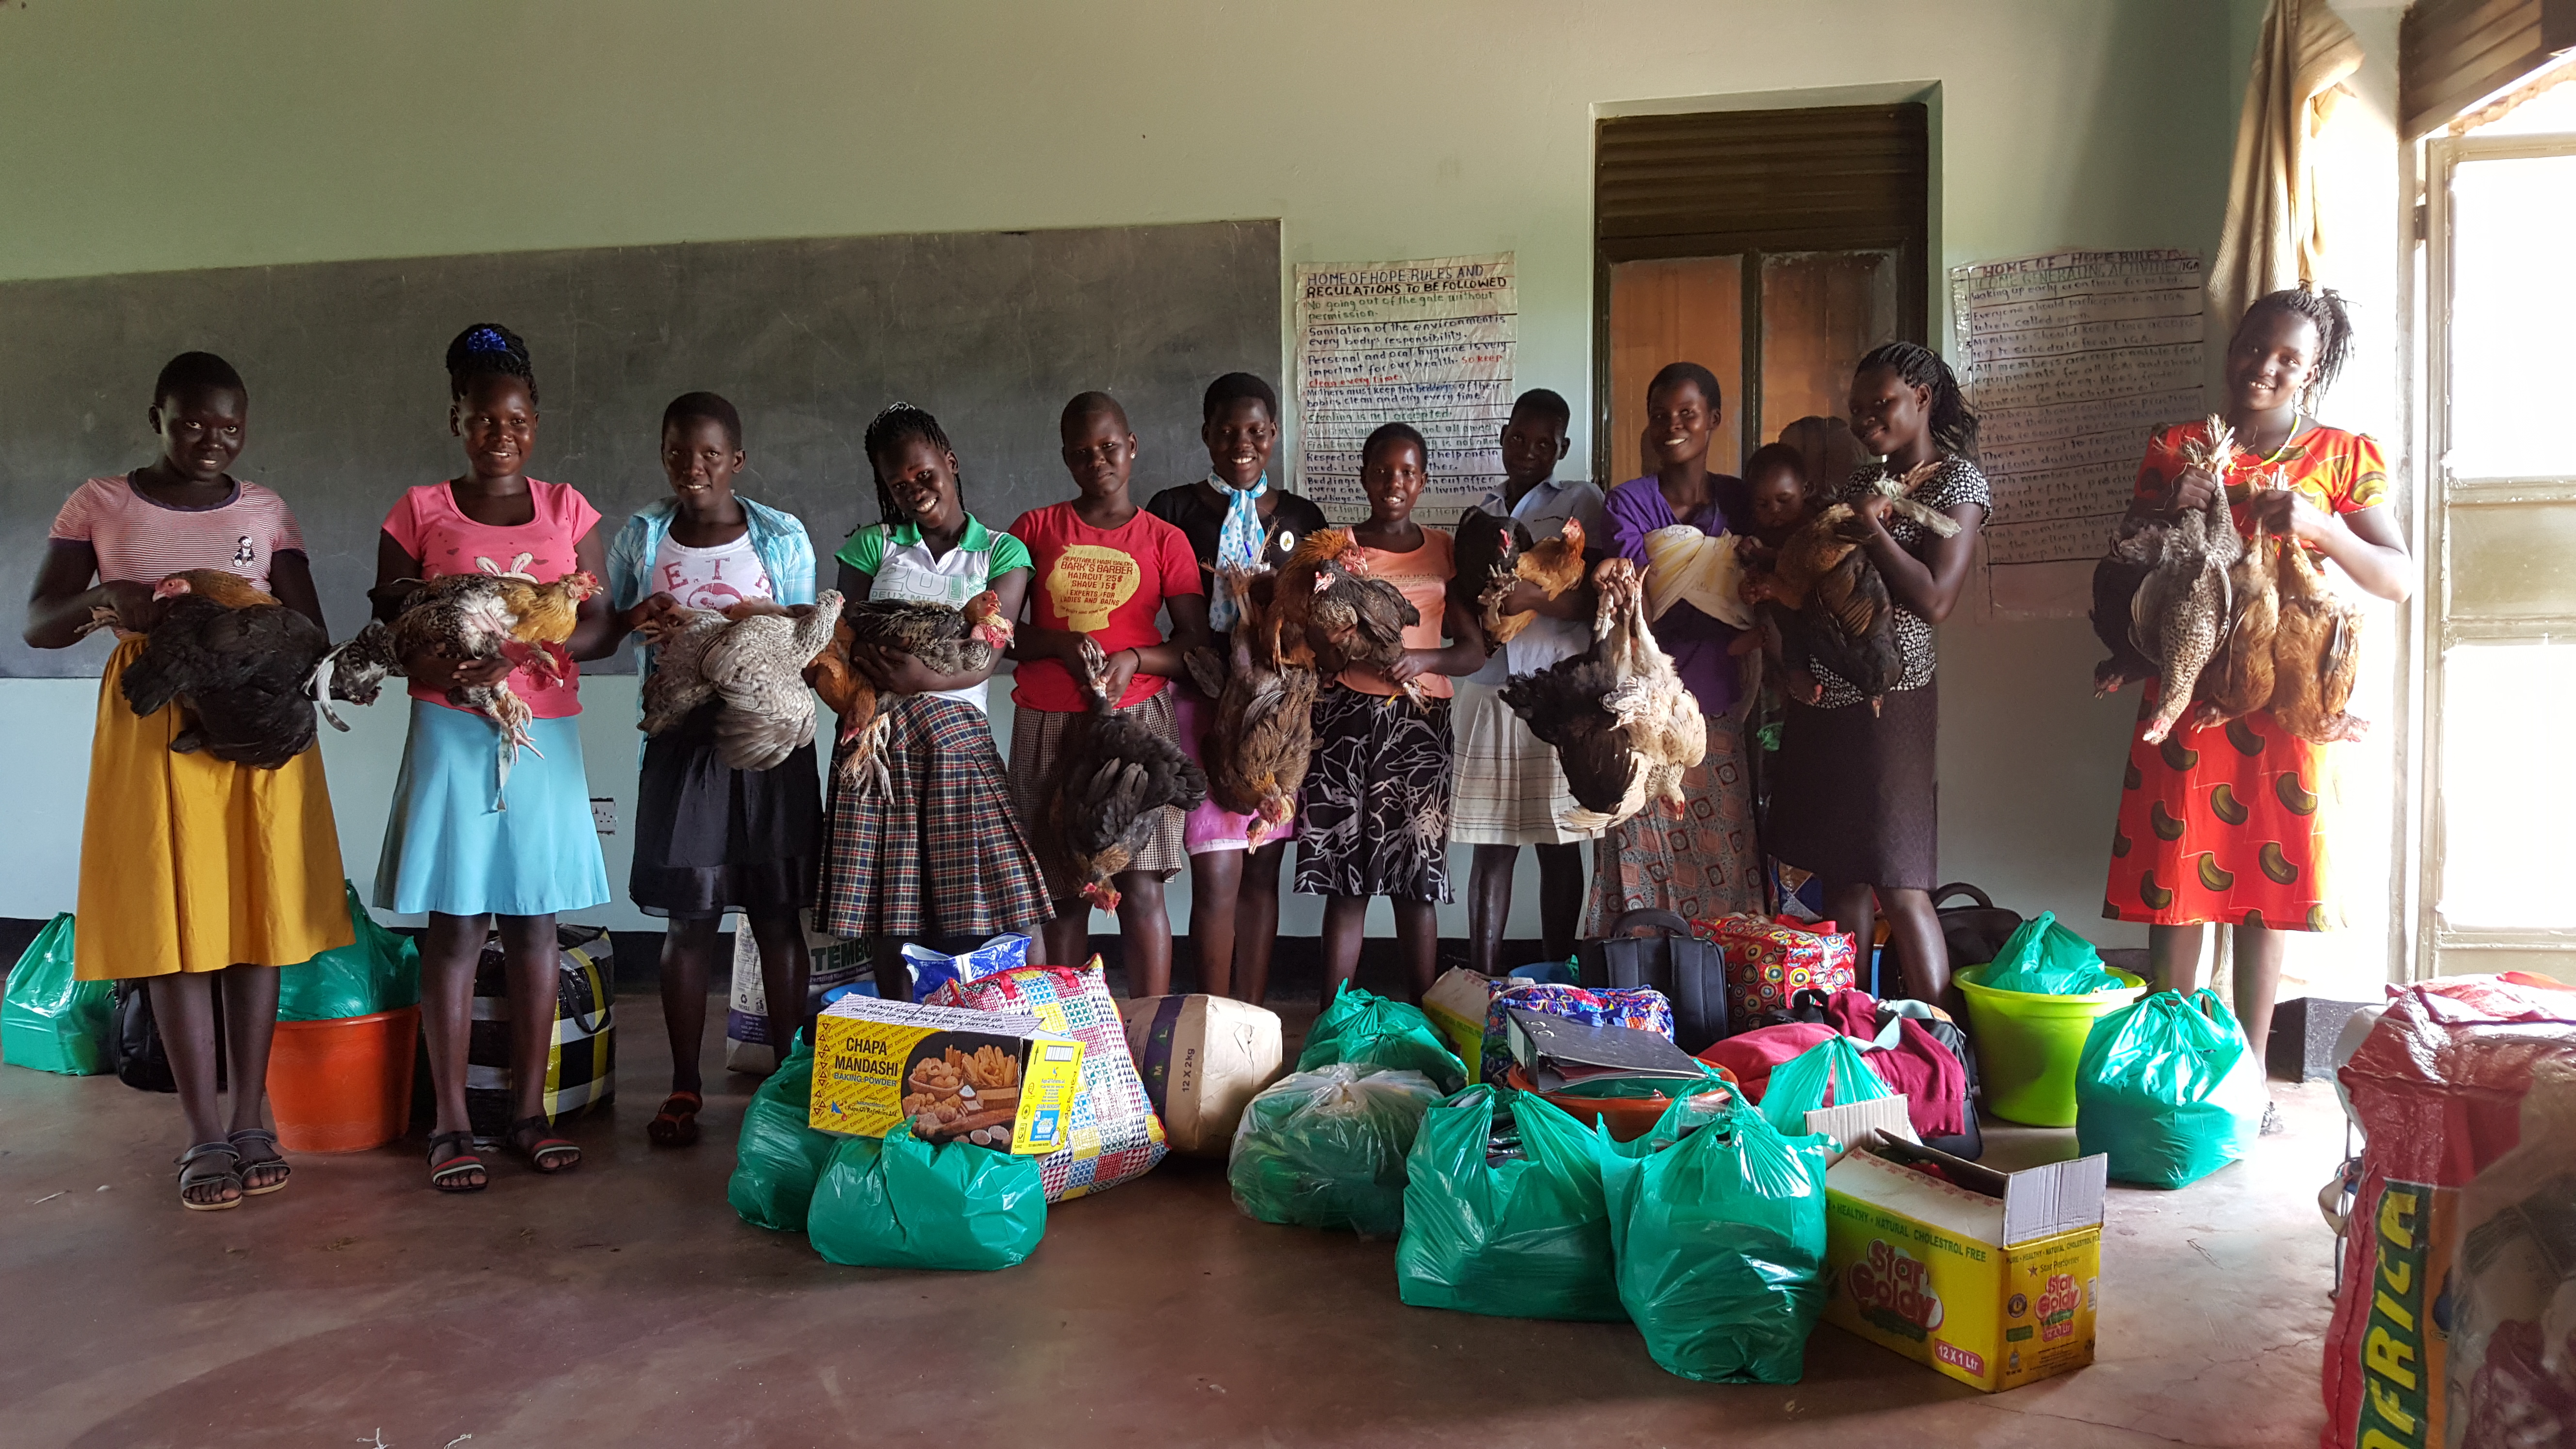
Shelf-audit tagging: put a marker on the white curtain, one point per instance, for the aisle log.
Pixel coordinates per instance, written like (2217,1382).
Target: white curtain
(2273,238)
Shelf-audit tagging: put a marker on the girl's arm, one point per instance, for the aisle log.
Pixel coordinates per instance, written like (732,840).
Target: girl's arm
(1463,654)
(397,575)
(1928,589)
(2364,541)
(62,598)
(290,582)
(904,674)
(595,634)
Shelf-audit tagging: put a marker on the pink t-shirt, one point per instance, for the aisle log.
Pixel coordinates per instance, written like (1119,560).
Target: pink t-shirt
(1422,576)
(138,539)
(431,528)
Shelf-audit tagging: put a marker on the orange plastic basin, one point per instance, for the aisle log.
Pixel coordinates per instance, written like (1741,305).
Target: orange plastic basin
(343,1085)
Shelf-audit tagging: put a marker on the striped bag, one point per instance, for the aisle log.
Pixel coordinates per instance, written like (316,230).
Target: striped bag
(1116,1135)
(581,1064)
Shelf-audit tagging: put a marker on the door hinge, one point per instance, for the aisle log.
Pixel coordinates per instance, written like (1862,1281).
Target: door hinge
(2421,222)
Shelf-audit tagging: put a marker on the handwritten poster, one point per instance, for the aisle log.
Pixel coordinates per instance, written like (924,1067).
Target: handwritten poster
(1428,343)
(2070,359)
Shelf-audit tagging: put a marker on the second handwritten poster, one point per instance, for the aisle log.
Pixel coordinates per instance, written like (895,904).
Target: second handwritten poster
(1429,343)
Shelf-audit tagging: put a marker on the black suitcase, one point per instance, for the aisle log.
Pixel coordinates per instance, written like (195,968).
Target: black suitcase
(1690,972)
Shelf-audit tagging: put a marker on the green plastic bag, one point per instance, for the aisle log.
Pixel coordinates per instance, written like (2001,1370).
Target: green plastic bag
(1370,1030)
(2169,1088)
(1800,1085)
(2043,958)
(777,1159)
(1528,1238)
(380,971)
(1720,1238)
(903,1203)
(49,1020)
(1326,1148)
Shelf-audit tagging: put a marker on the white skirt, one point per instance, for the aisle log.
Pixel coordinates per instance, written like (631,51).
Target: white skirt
(1506,787)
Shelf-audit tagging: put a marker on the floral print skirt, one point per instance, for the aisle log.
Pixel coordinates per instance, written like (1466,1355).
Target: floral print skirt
(1374,818)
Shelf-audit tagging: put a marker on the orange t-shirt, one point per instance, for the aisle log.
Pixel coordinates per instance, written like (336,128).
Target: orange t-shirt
(1422,576)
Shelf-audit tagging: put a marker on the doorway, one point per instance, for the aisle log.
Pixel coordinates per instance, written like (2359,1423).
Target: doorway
(1774,248)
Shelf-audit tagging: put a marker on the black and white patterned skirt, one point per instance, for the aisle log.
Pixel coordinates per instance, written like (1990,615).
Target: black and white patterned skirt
(1374,817)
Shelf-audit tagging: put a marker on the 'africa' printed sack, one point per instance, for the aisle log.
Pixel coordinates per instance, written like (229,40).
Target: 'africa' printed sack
(1769,962)
(1641,1007)
(1116,1135)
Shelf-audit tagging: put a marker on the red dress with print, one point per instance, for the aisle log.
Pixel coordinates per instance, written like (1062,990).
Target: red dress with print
(2228,823)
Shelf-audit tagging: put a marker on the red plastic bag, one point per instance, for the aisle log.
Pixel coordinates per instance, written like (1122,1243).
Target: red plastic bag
(1769,962)
(2439,1087)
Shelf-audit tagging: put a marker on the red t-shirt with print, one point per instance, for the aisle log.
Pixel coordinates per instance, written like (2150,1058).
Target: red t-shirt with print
(1109,583)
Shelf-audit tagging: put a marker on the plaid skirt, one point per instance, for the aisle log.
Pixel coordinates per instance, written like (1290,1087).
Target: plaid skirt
(1374,819)
(1037,750)
(940,851)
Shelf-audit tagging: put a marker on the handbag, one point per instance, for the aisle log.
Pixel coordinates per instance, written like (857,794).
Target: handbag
(1691,973)
(1973,933)
(1768,963)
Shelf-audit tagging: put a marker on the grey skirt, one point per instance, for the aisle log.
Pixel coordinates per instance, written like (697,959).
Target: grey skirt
(1854,796)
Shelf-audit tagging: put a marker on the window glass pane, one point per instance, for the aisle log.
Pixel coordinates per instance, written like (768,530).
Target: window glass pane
(1685,310)
(2513,308)
(1821,313)
(2508,786)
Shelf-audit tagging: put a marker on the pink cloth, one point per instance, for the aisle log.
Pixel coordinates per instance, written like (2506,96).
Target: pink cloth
(138,539)
(1211,826)
(437,534)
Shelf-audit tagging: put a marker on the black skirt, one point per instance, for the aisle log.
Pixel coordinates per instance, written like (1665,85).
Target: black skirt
(710,838)
(1854,797)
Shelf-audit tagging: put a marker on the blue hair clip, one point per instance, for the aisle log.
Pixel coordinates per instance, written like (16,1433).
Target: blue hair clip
(486,339)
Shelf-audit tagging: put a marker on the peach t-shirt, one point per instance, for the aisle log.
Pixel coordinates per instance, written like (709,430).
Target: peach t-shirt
(1422,576)
(432,529)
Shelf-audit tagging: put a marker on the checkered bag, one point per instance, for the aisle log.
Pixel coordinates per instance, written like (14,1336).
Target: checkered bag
(1116,1135)
(581,1062)
(1768,962)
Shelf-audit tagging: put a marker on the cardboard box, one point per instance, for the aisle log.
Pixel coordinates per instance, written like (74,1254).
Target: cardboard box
(1995,1288)
(1202,1058)
(1456,1005)
(999,1079)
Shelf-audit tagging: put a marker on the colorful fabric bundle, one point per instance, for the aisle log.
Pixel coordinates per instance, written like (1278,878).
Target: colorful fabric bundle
(1642,1008)
(1116,1135)
(1768,962)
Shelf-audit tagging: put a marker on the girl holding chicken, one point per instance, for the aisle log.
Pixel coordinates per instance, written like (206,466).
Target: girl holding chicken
(452,850)
(930,846)
(711,839)
(198,877)
(2221,822)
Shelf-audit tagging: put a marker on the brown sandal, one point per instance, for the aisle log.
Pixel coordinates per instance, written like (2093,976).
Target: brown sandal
(676,1125)
(533,1138)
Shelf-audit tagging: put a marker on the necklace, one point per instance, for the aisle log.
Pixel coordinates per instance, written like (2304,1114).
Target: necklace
(2296,418)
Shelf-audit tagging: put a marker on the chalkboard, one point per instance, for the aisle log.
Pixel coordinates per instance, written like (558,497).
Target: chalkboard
(809,338)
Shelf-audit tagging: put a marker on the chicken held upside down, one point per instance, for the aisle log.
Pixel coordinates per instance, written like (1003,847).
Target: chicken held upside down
(1114,773)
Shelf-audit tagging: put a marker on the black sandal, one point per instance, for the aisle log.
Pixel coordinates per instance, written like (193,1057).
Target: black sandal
(448,1174)
(197,1181)
(533,1138)
(275,1161)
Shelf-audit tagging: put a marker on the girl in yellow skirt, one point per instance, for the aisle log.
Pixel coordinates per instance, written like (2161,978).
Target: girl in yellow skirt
(197,875)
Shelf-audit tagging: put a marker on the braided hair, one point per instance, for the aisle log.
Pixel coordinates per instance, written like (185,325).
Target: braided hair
(1954,423)
(488,349)
(2324,309)
(899,424)
(196,372)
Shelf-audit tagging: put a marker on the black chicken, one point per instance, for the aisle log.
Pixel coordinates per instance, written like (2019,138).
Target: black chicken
(1117,772)
(236,660)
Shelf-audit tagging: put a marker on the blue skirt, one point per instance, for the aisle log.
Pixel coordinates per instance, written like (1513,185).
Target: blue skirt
(448,850)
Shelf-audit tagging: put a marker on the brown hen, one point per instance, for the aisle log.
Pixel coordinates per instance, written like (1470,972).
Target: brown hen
(1258,750)
(2316,653)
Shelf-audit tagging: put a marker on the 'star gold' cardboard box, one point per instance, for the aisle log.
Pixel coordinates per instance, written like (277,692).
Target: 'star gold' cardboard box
(1994,1290)
(998,1079)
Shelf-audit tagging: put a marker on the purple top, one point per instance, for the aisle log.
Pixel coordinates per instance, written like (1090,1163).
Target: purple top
(1697,642)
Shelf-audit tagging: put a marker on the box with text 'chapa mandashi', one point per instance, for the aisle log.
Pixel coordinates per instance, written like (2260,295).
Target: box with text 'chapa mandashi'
(997,1079)
(1992,1283)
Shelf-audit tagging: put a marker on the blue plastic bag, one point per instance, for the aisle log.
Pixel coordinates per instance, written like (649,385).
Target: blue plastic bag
(1831,1073)
(379,971)
(50,1020)
(777,1157)
(1365,1029)
(904,1203)
(2170,1089)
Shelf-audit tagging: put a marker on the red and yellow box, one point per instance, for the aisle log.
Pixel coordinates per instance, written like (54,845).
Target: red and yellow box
(1996,1289)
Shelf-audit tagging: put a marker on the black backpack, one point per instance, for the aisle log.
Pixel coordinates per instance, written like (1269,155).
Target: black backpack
(134,1050)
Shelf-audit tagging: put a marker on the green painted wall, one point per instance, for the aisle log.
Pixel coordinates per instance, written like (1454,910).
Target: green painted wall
(173,136)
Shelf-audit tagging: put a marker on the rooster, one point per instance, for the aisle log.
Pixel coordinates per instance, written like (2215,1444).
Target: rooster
(1258,749)
(1622,723)
(751,657)
(1496,553)
(1347,617)
(1116,773)
(2134,546)
(235,659)
(962,640)
(470,617)
(2316,653)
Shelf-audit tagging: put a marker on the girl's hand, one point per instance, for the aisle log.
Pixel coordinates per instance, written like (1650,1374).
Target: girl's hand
(2288,511)
(1414,664)
(648,610)
(1524,597)
(1869,519)
(1803,686)
(893,670)
(445,675)
(1122,673)
(136,610)
(2191,490)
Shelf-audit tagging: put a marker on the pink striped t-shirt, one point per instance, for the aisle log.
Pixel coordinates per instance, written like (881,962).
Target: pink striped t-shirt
(138,539)
(431,528)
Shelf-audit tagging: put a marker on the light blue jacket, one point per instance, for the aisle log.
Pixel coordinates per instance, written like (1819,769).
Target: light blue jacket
(778,537)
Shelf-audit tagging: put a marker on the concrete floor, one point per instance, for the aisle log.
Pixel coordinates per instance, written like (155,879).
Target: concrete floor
(626,1305)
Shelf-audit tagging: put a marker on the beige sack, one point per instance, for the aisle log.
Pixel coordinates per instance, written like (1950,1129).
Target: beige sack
(1202,1058)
